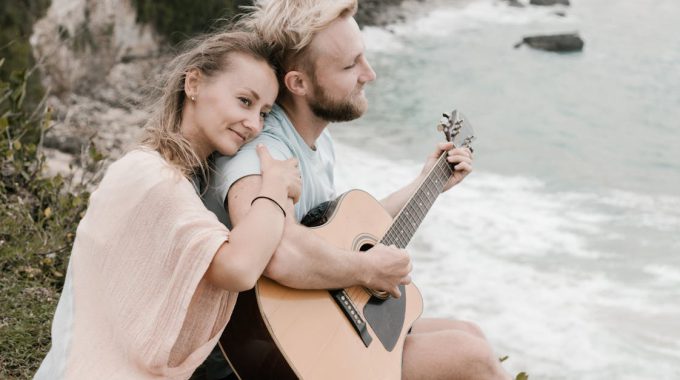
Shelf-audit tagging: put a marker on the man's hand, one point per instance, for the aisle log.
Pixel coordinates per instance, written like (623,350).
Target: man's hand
(387,268)
(460,157)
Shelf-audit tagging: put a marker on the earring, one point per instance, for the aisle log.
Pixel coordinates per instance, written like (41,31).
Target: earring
(193,98)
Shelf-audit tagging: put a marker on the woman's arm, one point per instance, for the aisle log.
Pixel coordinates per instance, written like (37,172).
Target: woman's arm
(240,261)
(306,261)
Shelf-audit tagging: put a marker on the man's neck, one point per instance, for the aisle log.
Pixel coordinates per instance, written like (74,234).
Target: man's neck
(308,125)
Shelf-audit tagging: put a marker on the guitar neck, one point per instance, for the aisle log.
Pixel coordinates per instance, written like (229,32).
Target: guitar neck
(412,214)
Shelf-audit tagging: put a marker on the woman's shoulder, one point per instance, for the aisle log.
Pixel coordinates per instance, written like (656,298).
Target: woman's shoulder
(142,156)
(142,179)
(146,160)
(142,167)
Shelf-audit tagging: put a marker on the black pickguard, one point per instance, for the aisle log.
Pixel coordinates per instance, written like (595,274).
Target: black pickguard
(386,317)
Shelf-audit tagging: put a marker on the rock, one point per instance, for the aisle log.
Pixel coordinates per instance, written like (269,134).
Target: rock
(65,143)
(377,12)
(386,12)
(549,2)
(96,61)
(556,42)
(79,41)
(514,3)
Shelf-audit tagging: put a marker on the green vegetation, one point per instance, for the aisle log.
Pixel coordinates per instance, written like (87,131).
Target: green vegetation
(178,20)
(39,214)
(39,219)
(16,24)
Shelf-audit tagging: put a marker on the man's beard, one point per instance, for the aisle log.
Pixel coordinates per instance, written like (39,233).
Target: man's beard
(332,110)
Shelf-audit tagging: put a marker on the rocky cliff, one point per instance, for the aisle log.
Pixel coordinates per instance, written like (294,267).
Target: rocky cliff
(97,61)
(94,58)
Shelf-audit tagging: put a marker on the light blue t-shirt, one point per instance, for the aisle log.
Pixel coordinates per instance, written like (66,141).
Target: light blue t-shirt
(283,142)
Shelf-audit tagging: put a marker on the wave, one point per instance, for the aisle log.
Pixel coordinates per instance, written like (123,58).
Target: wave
(447,19)
(530,266)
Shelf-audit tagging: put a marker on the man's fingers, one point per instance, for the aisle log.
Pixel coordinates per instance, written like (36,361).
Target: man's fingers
(446,145)
(463,166)
(458,158)
(395,292)
(461,152)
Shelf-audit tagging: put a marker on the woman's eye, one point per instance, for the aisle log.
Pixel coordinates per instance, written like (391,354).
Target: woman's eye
(245,101)
(350,66)
(264,114)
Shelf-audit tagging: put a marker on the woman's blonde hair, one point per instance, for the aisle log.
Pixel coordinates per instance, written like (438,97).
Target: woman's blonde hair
(289,26)
(210,55)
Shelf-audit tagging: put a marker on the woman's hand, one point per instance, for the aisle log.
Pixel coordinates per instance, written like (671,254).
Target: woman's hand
(282,173)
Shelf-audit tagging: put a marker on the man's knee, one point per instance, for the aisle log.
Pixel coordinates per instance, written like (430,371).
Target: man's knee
(450,354)
(427,325)
(478,361)
(472,328)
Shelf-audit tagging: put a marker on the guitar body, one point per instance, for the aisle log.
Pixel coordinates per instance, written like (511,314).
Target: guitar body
(281,333)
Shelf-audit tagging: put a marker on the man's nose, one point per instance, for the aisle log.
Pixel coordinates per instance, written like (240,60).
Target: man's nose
(368,74)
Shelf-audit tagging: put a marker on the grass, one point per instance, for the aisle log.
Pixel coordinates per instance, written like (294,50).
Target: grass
(38,218)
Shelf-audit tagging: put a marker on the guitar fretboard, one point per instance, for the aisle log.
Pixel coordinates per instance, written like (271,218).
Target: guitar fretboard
(409,218)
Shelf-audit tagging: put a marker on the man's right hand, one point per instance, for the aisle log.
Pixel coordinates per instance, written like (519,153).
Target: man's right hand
(387,268)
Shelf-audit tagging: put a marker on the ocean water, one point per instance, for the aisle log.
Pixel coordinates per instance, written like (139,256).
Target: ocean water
(564,243)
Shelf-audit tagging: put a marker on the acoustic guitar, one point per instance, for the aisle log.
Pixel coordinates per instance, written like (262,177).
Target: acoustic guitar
(276,332)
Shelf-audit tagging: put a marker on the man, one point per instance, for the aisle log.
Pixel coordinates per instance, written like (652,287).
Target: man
(323,71)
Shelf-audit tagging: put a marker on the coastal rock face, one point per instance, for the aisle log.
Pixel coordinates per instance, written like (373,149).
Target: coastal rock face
(556,42)
(514,3)
(95,59)
(378,12)
(549,2)
(80,41)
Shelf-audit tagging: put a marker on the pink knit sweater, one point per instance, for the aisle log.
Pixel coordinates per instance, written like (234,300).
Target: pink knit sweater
(135,304)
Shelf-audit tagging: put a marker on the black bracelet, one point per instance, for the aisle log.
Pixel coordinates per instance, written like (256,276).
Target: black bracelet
(275,202)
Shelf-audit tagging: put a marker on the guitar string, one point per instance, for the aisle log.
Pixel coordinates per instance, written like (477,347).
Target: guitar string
(413,214)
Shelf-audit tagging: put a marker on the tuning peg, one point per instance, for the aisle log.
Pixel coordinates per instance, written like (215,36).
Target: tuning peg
(444,122)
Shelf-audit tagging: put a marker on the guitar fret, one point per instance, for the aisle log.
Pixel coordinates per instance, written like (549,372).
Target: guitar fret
(431,193)
(411,216)
(423,210)
(413,222)
(406,231)
(420,212)
(389,237)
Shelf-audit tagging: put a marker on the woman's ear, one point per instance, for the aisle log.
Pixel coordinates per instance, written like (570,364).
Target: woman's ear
(192,80)
(296,82)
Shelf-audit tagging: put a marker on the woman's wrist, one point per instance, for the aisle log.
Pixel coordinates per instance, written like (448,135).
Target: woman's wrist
(274,189)
(265,198)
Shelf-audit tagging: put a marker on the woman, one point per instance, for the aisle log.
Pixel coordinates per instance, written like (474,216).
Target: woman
(153,275)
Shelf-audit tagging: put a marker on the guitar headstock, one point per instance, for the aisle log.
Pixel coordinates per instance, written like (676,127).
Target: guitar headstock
(457,129)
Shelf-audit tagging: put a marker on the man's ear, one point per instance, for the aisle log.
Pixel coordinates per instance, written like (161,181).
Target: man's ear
(297,83)
(192,80)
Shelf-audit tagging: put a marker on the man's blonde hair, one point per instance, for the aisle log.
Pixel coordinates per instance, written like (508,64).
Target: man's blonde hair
(210,55)
(289,26)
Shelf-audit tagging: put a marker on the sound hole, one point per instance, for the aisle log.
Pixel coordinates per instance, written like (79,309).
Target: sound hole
(365,247)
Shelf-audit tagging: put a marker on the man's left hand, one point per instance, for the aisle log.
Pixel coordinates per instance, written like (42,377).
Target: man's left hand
(461,158)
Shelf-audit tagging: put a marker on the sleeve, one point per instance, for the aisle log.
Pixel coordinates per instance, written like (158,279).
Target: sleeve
(187,236)
(246,162)
(139,259)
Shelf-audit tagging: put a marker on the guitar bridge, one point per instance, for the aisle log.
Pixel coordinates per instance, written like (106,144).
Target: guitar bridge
(352,314)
